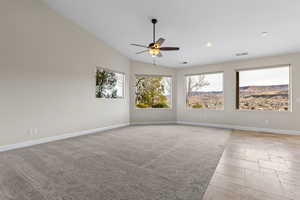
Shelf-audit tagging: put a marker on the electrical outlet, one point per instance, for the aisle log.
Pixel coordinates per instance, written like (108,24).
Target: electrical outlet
(266,121)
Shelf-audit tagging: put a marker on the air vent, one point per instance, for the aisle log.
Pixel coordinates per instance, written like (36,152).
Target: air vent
(242,54)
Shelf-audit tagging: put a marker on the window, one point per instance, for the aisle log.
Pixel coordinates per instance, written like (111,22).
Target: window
(263,89)
(109,84)
(153,91)
(205,91)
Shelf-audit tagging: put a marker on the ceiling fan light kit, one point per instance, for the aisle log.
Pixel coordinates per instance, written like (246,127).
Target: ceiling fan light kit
(154,48)
(154,52)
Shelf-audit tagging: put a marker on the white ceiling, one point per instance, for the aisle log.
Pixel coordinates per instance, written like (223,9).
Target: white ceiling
(232,26)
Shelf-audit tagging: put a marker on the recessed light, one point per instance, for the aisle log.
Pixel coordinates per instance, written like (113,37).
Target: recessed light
(242,54)
(264,34)
(208,44)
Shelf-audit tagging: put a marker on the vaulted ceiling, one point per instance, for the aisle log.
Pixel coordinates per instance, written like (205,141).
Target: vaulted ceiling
(231,26)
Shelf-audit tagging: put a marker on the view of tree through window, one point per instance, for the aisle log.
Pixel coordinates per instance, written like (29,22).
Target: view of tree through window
(205,91)
(263,89)
(109,84)
(153,91)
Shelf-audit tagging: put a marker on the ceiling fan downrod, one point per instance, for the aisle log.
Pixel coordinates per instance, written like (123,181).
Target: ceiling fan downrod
(154,21)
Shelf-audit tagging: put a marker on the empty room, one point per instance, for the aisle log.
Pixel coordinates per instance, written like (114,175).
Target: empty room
(149,100)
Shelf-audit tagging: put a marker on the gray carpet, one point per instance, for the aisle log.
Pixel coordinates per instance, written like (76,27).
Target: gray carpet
(134,163)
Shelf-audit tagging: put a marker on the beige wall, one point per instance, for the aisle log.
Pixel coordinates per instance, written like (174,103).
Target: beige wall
(47,67)
(230,116)
(156,115)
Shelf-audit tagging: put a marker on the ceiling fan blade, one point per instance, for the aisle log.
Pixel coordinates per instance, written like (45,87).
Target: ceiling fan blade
(140,52)
(160,41)
(159,55)
(169,48)
(139,45)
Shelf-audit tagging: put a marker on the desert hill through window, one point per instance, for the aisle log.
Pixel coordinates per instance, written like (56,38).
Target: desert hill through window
(263,89)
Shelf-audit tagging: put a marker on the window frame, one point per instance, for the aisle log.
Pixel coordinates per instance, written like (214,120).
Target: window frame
(123,86)
(204,73)
(153,75)
(290,91)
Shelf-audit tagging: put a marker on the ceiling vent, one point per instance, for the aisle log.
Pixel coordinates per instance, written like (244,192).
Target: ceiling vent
(242,54)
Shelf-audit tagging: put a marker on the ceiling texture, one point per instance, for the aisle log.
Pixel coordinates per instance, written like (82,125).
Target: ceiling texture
(231,26)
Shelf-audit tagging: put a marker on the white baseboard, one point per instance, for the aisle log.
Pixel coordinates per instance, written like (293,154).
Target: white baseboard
(153,123)
(58,137)
(244,128)
(97,130)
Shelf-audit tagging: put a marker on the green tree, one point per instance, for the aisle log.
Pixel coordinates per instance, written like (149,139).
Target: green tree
(150,92)
(105,84)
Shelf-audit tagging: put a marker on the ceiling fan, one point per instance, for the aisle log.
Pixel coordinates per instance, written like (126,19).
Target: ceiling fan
(155,48)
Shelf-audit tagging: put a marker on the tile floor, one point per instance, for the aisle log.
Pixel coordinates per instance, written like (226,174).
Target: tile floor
(257,166)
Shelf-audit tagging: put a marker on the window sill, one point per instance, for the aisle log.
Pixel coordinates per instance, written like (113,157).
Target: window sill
(110,99)
(204,109)
(153,109)
(264,111)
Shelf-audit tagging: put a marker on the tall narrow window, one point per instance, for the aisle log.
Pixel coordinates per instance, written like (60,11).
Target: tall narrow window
(153,91)
(263,89)
(109,84)
(205,91)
